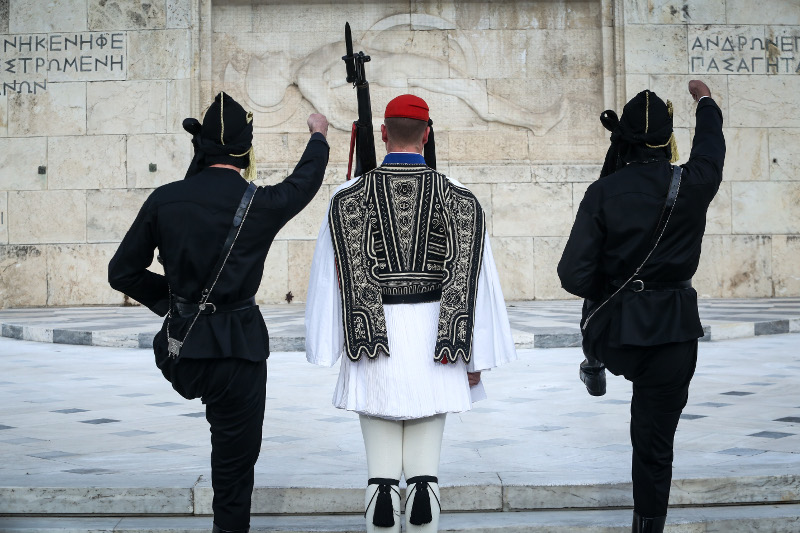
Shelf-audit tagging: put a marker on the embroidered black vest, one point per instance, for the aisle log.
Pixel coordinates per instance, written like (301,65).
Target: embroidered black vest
(405,234)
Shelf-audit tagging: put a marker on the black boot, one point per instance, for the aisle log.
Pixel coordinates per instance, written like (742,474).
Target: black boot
(593,375)
(217,529)
(648,525)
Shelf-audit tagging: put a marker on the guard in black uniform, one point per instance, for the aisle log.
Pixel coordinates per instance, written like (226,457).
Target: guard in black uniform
(648,331)
(223,356)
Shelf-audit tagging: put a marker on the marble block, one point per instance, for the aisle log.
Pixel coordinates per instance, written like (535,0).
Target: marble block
(726,49)
(525,209)
(564,54)
(171,154)
(232,17)
(275,280)
(779,12)
(77,274)
(164,54)
(3,115)
(483,192)
(489,146)
(735,266)
(537,15)
(634,84)
(578,192)
(19,162)
(671,12)
(111,212)
(50,16)
(513,257)
(61,110)
(23,275)
(546,255)
(3,217)
(676,89)
(105,58)
(86,162)
(4,16)
(784,157)
(469,174)
(718,217)
(179,104)
(306,224)
(273,147)
(766,207)
(179,14)
(747,154)
(565,173)
(785,258)
(126,107)
(46,217)
(778,98)
(127,14)
(301,252)
(655,48)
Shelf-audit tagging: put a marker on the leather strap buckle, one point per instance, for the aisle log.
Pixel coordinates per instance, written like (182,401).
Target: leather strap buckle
(635,287)
(202,307)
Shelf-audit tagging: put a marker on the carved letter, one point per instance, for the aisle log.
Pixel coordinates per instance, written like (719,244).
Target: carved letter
(728,45)
(712,64)
(55,43)
(697,43)
(742,65)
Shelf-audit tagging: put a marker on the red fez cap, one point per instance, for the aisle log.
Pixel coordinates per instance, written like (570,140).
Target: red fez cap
(407,106)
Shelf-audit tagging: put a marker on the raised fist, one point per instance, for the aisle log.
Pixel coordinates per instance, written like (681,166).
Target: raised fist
(318,123)
(698,89)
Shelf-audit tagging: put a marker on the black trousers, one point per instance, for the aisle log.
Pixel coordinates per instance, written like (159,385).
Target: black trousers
(234,392)
(660,377)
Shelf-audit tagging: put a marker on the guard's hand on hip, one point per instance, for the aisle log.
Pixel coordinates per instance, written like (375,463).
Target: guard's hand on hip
(317,123)
(698,89)
(474,378)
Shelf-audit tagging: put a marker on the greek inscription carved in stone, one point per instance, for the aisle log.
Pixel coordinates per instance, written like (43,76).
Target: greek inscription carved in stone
(744,50)
(29,61)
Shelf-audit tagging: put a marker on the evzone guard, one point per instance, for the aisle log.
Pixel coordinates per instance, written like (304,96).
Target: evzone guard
(404,289)
(212,231)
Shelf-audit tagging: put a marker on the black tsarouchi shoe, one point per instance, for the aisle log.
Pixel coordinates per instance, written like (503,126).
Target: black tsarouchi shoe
(593,375)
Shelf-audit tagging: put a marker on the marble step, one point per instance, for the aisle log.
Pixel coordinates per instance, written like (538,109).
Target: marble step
(732,519)
(513,493)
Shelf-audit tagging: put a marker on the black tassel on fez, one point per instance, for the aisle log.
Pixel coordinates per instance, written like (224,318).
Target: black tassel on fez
(421,509)
(384,511)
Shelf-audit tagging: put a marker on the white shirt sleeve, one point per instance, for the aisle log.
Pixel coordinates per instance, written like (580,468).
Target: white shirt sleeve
(324,332)
(492,343)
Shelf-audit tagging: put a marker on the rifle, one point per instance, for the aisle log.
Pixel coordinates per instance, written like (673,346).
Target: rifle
(362,141)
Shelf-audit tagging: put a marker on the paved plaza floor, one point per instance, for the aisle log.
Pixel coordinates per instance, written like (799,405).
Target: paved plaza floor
(73,416)
(534,324)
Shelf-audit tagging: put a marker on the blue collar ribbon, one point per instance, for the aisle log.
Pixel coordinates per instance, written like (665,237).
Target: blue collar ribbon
(403,158)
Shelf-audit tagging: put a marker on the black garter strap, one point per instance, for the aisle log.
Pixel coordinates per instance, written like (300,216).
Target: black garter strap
(384,511)
(421,510)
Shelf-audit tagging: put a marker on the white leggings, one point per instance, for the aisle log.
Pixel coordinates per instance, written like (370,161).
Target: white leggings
(395,447)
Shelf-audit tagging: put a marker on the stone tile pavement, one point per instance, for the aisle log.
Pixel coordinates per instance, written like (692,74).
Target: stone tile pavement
(89,417)
(535,324)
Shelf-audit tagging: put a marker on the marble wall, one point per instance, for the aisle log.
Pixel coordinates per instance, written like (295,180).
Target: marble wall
(93,92)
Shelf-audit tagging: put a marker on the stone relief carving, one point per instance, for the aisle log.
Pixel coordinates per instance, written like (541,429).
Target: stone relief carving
(274,84)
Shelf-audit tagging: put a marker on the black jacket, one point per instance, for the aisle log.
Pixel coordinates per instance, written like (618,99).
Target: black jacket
(613,233)
(188,221)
